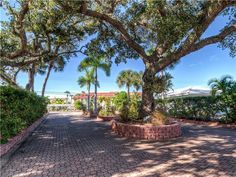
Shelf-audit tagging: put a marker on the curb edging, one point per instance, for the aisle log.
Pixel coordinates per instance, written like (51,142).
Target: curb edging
(6,150)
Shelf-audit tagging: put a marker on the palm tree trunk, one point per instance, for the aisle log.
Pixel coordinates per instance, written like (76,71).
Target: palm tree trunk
(128,92)
(46,78)
(95,94)
(88,98)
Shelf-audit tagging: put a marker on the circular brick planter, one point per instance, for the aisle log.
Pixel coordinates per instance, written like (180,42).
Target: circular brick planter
(150,132)
(105,118)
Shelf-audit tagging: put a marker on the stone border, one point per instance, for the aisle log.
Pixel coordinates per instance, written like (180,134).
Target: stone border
(105,118)
(205,123)
(150,132)
(18,139)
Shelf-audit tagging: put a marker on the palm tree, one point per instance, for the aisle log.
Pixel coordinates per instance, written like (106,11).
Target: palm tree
(87,80)
(129,78)
(225,85)
(95,62)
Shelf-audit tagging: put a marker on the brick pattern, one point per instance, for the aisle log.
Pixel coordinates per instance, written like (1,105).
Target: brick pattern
(162,132)
(69,145)
(4,148)
(105,118)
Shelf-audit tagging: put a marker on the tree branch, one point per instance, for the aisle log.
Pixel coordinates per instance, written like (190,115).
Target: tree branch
(189,45)
(118,26)
(213,39)
(7,79)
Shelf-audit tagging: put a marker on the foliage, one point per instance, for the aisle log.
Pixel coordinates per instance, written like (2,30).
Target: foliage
(129,78)
(162,83)
(130,110)
(79,105)
(19,109)
(86,81)
(204,108)
(107,112)
(106,107)
(119,100)
(158,118)
(226,87)
(158,32)
(57,101)
(94,62)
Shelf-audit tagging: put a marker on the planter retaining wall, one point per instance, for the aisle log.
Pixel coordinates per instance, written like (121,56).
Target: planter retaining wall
(105,118)
(150,132)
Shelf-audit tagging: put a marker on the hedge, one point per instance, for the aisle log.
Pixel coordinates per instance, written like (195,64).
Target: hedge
(19,109)
(206,108)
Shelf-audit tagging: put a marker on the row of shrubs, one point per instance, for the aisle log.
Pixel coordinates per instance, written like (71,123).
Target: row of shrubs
(207,108)
(19,109)
(128,109)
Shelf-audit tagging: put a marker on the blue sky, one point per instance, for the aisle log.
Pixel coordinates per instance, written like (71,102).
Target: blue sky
(194,69)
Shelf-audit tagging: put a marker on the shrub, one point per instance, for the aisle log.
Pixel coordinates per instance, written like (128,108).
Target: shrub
(130,110)
(106,109)
(158,118)
(204,108)
(19,109)
(58,101)
(119,100)
(79,106)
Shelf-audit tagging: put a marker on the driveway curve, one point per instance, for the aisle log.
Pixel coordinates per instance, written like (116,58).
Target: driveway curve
(67,144)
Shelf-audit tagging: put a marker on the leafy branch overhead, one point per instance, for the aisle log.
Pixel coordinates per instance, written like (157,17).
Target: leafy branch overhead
(160,32)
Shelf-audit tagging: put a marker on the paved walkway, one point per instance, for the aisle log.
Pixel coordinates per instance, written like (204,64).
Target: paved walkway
(68,145)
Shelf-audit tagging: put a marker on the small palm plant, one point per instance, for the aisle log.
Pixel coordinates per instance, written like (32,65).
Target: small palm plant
(87,80)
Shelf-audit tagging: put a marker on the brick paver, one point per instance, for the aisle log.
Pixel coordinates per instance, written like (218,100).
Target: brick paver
(66,144)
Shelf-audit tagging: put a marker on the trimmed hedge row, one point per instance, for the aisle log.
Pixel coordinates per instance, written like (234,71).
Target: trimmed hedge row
(206,108)
(19,109)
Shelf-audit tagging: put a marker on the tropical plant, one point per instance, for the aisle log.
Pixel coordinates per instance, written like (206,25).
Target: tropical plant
(95,62)
(226,89)
(129,78)
(119,100)
(79,105)
(86,81)
(57,101)
(224,85)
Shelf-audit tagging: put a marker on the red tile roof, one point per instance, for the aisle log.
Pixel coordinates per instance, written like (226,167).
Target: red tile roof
(100,94)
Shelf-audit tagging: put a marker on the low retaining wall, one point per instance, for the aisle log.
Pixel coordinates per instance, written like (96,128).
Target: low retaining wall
(150,132)
(105,118)
(18,139)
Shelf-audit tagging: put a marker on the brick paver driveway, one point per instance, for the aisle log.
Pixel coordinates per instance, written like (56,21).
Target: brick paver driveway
(66,144)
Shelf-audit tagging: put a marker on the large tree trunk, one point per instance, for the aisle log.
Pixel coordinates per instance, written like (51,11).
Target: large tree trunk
(148,102)
(95,92)
(46,78)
